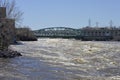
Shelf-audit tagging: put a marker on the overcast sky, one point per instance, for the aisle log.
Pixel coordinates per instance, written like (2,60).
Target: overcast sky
(69,13)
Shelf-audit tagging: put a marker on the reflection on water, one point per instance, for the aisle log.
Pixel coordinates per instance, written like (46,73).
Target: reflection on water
(63,59)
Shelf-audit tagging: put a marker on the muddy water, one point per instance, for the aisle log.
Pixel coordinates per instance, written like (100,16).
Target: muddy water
(63,59)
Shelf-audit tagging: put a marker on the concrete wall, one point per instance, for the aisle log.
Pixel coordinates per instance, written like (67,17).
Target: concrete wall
(2,12)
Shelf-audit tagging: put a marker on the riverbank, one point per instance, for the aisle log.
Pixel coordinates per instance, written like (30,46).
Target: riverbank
(9,54)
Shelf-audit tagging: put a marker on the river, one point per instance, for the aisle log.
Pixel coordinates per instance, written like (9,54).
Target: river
(63,59)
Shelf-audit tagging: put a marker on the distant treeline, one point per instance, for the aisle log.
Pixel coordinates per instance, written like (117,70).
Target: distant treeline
(25,34)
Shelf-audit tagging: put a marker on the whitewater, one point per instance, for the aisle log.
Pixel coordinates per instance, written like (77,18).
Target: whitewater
(63,59)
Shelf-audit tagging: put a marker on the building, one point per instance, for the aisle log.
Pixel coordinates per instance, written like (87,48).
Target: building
(101,34)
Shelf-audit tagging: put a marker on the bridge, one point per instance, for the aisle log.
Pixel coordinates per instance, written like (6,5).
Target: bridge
(57,32)
(86,33)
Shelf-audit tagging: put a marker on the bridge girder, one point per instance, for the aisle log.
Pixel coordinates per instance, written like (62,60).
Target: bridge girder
(56,31)
(56,28)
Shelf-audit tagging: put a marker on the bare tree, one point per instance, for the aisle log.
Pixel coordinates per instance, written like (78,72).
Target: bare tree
(25,34)
(12,11)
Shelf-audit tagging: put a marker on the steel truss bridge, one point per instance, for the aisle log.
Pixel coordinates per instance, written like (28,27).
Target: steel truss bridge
(57,32)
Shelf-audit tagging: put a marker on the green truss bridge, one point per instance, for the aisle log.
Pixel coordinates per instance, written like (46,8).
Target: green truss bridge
(57,32)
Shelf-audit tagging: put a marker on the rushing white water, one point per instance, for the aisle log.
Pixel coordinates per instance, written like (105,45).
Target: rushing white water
(63,59)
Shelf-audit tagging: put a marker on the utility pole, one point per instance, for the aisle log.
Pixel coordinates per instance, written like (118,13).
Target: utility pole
(89,22)
(111,23)
(97,23)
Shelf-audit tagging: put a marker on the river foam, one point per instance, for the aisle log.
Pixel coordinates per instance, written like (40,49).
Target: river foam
(74,59)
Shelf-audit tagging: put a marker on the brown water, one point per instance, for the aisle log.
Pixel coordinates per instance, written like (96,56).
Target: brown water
(63,59)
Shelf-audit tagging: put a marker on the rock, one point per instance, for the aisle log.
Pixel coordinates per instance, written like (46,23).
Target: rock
(9,54)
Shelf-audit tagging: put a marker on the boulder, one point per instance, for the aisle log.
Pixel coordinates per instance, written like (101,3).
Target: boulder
(9,54)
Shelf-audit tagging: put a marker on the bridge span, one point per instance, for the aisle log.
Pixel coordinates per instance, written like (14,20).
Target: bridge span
(57,32)
(87,33)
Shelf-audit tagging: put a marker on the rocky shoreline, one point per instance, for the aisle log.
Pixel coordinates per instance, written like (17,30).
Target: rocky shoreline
(9,54)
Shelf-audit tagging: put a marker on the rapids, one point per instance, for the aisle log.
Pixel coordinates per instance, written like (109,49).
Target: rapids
(63,59)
